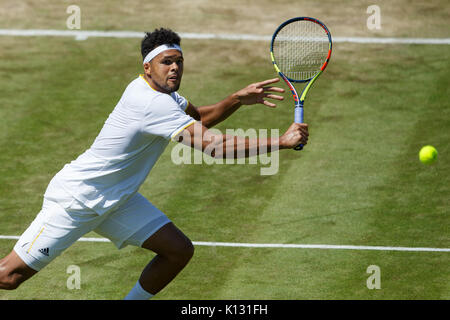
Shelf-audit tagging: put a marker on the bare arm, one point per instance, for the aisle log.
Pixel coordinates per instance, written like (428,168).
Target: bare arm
(227,146)
(252,94)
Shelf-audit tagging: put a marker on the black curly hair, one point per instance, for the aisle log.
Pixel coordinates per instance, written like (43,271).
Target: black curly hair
(156,38)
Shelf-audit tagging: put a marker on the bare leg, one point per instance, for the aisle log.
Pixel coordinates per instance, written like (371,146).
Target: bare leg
(174,250)
(13,271)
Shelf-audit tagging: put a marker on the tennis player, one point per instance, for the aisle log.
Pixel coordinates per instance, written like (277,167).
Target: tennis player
(99,190)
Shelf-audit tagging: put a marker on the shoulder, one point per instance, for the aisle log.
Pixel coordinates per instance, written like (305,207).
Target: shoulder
(162,103)
(180,100)
(138,92)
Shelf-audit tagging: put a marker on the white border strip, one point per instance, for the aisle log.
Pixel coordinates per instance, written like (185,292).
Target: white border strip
(318,246)
(275,245)
(83,35)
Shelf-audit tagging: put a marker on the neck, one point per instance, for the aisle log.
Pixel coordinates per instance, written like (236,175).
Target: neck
(154,85)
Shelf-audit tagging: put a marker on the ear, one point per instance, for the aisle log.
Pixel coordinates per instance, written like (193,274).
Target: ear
(147,68)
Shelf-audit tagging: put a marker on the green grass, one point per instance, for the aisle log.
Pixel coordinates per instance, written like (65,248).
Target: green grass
(358,182)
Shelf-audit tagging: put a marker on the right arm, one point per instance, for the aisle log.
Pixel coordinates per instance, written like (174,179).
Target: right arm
(228,146)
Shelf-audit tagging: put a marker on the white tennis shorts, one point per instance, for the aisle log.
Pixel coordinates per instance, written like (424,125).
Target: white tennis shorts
(63,220)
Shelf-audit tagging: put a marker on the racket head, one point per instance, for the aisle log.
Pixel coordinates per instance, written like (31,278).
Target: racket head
(301,48)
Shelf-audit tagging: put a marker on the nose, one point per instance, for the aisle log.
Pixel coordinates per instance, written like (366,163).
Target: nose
(174,66)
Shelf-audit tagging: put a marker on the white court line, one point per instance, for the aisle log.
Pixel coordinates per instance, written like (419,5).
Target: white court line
(85,34)
(276,245)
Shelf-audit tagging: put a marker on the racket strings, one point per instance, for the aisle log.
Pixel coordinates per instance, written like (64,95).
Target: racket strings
(300,49)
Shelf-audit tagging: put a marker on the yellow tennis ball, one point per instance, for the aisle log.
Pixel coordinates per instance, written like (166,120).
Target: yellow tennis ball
(428,154)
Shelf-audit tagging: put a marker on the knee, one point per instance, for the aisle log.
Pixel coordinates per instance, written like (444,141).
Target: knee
(189,250)
(183,252)
(11,276)
(9,281)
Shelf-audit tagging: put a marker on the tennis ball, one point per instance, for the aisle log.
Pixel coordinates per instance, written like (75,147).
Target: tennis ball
(428,154)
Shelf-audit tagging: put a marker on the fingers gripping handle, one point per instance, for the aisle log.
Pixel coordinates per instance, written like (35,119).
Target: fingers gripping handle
(299,119)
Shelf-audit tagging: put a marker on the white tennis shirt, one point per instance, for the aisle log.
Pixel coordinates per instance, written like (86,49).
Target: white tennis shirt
(133,137)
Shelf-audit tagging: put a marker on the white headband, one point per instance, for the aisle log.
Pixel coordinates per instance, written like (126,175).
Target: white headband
(160,49)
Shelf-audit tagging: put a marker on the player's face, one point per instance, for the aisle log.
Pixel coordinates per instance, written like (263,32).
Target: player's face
(165,71)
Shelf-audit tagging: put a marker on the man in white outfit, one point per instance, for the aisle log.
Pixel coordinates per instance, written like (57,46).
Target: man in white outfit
(99,190)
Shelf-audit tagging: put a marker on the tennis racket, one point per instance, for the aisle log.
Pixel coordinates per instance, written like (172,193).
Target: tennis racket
(300,51)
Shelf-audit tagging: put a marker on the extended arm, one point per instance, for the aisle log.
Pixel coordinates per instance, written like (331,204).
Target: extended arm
(252,94)
(229,146)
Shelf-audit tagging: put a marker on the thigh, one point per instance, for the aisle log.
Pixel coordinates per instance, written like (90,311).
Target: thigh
(53,230)
(133,222)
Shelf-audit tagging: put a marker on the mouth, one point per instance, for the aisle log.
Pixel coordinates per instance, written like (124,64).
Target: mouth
(173,78)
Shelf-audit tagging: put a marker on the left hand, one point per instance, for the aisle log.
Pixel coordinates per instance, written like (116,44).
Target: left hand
(257,92)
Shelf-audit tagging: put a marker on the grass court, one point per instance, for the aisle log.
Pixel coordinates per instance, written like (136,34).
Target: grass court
(357,182)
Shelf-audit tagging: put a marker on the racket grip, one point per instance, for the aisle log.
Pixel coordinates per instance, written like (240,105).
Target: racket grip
(298,115)
(298,119)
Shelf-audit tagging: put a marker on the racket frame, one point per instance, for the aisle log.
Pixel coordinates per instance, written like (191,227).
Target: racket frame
(299,100)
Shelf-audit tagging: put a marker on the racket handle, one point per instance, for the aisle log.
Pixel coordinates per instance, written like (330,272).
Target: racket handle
(298,115)
(298,119)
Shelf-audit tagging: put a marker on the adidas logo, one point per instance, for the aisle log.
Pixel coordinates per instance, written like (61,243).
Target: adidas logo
(44,251)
